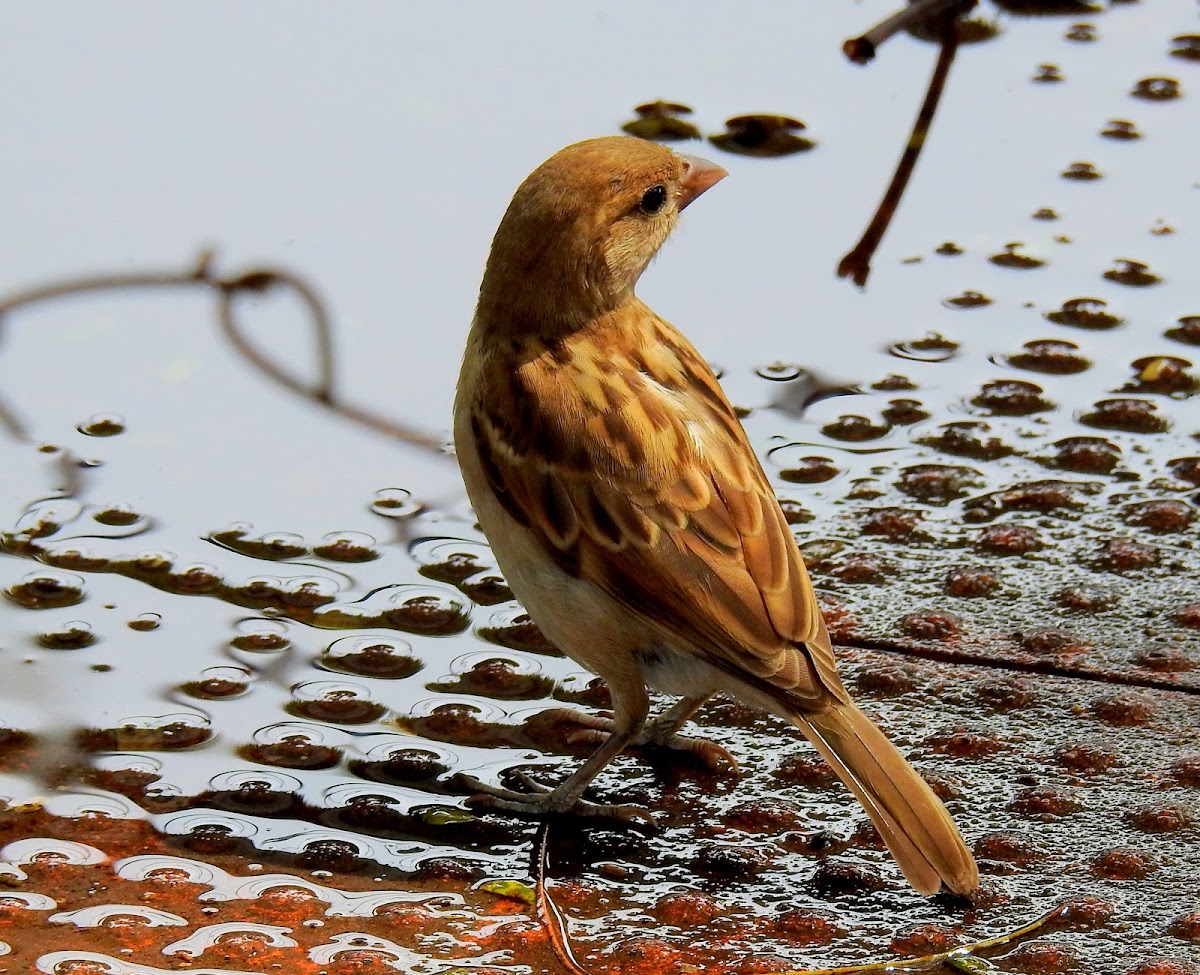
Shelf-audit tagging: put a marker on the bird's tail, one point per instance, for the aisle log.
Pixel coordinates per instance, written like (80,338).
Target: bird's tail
(912,821)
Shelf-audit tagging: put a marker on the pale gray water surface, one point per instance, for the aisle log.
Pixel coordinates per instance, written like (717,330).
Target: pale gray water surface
(372,148)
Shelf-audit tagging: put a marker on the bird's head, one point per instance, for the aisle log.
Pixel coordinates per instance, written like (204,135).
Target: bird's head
(582,228)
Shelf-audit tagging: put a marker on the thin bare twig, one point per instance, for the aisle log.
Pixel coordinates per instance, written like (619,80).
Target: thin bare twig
(857,263)
(966,951)
(547,911)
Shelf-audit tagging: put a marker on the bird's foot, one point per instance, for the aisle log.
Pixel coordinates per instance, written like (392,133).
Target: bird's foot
(662,732)
(542,800)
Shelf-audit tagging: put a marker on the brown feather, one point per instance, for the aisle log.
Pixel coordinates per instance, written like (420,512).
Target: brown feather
(693,483)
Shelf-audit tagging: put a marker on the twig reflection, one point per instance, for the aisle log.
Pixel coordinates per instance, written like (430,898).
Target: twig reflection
(856,265)
(257,281)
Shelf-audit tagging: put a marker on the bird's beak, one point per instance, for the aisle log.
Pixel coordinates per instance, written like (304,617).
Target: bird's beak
(698,175)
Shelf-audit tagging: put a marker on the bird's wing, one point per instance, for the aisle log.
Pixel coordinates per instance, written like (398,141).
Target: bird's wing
(630,467)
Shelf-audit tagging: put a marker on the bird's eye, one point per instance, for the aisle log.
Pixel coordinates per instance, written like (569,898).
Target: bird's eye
(654,199)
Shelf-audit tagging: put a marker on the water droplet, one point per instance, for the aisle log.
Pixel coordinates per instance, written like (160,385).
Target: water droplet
(854,428)
(219,683)
(1082,171)
(1012,397)
(780,372)
(47,589)
(968,299)
(1132,274)
(1186,331)
(259,635)
(196,578)
(1051,356)
(1085,313)
(1047,74)
(932,348)
(145,622)
(1165,374)
(365,656)
(763,135)
(273,546)
(1121,130)
(74,635)
(659,121)
(395,503)
(1011,259)
(1156,89)
(337,703)
(347,547)
(103,425)
(1130,415)
(1187,46)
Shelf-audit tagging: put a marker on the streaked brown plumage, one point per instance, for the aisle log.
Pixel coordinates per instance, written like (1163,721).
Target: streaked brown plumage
(627,509)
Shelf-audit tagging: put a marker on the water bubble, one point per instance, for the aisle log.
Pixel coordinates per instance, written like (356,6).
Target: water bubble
(1011,397)
(308,592)
(659,121)
(1051,356)
(451,560)
(219,683)
(968,299)
(1132,274)
(395,503)
(1121,130)
(763,135)
(120,516)
(74,635)
(347,547)
(145,622)
(853,428)
(780,372)
(1086,313)
(259,635)
(1130,415)
(383,657)
(1187,330)
(1187,46)
(200,577)
(1156,89)
(1082,172)
(1011,259)
(294,746)
(934,347)
(1164,374)
(337,703)
(1086,455)
(47,589)
(512,628)
(103,425)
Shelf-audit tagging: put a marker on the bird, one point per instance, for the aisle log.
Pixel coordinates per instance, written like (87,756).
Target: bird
(628,512)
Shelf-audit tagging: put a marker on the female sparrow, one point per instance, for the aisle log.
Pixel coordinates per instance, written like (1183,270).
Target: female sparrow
(629,513)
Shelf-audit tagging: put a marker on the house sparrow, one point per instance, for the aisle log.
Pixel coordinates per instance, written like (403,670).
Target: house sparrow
(627,510)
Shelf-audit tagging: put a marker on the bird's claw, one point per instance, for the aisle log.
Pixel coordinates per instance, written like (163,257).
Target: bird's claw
(542,800)
(594,730)
(714,757)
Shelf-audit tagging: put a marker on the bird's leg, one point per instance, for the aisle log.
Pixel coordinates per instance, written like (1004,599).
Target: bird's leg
(663,732)
(628,720)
